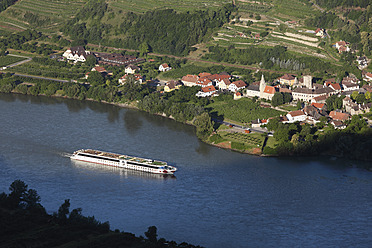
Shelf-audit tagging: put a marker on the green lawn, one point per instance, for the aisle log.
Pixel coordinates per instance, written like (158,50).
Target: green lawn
(243,110)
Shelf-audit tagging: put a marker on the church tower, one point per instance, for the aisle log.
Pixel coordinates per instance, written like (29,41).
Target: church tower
(262,86)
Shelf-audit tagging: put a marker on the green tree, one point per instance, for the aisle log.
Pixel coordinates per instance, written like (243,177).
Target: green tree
(277,99)
(144,48)
(91,60)
(204,126)
(96,78)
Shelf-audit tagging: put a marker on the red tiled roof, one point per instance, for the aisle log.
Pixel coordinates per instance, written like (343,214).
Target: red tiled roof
(208,89)
(204,74)
(239,83)
(368,74)
(99,69)
(318,105)
(296,113)
(165,65)
(320,98)
(190,78)
(226,81)
(285,90)
(269,89)
(335,86)
(238,93)
(339,116)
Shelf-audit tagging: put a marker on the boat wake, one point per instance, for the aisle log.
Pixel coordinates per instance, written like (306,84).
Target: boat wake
(66,154)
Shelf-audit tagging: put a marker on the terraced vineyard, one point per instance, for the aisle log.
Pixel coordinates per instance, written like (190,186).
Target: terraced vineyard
(179,5)
(45,16)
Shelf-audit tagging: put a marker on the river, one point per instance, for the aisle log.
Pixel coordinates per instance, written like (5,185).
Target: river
(218,198)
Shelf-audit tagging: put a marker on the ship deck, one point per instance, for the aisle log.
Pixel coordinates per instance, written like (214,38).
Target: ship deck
(125,157)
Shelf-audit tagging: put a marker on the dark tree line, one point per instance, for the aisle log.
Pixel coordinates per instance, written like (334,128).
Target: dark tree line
(25,223)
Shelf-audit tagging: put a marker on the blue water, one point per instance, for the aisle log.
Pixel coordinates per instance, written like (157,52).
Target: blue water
(218,198)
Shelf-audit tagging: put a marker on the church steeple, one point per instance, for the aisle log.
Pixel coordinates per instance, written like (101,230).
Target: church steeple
(262,86)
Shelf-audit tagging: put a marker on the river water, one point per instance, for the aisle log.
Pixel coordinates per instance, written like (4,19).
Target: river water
(218,198)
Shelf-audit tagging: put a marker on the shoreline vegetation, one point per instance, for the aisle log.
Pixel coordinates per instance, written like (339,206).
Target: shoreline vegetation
(26,223)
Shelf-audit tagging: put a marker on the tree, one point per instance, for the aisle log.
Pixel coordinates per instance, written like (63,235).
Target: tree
(204,126)
(95,78)
(18,190)
(144,48)
(277,99)
(151,234)
(91,60)
(64,210)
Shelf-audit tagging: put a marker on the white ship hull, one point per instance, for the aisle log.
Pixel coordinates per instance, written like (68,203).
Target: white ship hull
(123,161)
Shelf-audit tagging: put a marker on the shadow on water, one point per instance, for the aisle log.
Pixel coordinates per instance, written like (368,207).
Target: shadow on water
(203,148)
(7,97)
(161,121)
(132,121)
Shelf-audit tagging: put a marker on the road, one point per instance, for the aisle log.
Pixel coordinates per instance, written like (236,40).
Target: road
(27,59)
(43,78)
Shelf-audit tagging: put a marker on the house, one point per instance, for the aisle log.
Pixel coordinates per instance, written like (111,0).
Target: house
(131,69)
(297,115)
(258,122)
(334,86)
(77,54)
(137,78)
(204,82)
(319,99)
(338,124)
(367,76)
(339,116)
(164,67)
(237,96)
(190,80)
(207,91)
(349,86)
(224,84)
(237,85)
(253,90)
(269,92)
(314,114)
(362,62)
(204,74)
(318,105)
(257,36)
(354,108)
(99,69)
(320,32)
(305,94)
(172,85)
(288,79)
(342,46)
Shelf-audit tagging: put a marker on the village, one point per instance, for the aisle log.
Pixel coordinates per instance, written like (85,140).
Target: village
(310,96)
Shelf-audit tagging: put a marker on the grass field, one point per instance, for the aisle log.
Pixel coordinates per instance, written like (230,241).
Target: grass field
(249,141)
(8,60)
(46,16)
(243,110)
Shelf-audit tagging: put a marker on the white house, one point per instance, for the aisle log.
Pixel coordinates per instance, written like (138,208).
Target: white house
(206,91)
(297,115)
(76,54)
(164,67)
(131,69)
(237,85)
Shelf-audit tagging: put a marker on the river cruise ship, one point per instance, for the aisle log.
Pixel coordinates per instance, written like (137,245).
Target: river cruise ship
(123,161)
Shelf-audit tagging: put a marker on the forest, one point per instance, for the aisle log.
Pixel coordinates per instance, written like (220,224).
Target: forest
(26,223)
(162,31)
